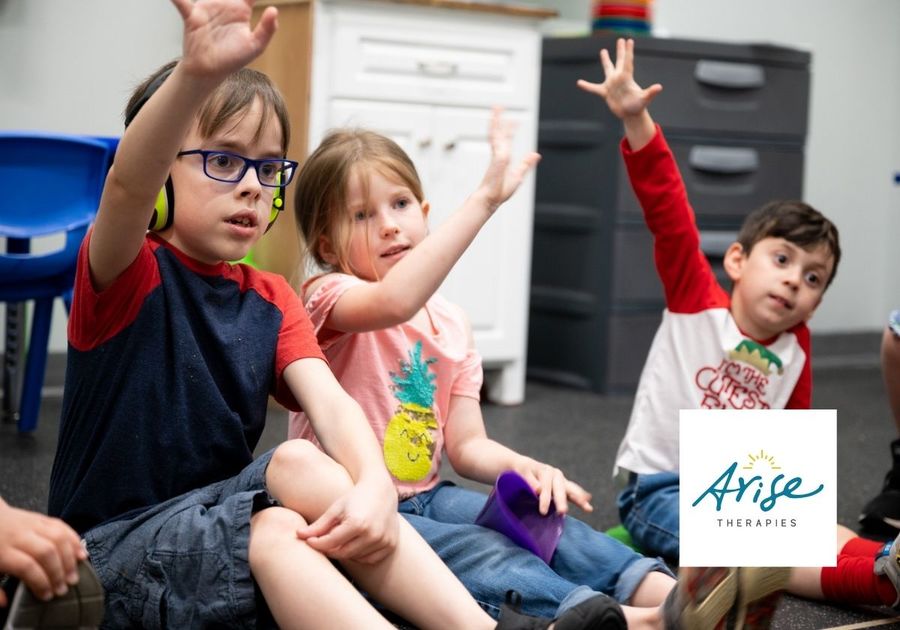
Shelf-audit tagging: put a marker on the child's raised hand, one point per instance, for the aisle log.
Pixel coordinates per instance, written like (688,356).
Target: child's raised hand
(217,35)
(625,98)
(500,180)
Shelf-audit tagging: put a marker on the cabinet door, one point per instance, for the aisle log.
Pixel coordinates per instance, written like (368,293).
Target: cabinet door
(407,125)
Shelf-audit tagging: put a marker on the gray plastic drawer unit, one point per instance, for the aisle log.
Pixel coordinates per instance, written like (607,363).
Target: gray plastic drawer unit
(735,117)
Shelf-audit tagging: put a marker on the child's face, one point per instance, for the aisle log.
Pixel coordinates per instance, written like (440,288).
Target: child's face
(778,285)
(216,221)
(387,222)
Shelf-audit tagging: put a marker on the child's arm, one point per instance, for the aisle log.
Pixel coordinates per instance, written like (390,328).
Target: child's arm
(475,456)
(687,277)
(413,280)
(363,524)
(217,41)
(625,98)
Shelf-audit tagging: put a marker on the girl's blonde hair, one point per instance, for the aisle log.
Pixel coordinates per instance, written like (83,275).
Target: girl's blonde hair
(320,198)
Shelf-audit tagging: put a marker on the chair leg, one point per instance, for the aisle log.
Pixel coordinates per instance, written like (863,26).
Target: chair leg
(12,360)
(35,365)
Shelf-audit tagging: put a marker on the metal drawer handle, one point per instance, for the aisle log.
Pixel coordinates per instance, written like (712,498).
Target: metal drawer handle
(724,160)
(438,68)
(730,75)
(714,243)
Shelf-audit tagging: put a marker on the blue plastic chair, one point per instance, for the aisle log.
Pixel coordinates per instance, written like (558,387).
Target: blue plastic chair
(51,184)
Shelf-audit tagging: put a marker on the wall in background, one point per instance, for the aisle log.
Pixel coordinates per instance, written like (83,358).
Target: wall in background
(853,147)
(70,66)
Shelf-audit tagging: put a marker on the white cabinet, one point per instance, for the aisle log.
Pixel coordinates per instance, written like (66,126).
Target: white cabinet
(427,77)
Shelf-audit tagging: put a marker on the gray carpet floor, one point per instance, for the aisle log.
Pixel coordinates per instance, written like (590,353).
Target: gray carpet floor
(579,432)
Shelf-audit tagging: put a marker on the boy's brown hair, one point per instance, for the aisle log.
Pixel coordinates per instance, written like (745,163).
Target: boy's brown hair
(234,95)
(795,222)
(320,201)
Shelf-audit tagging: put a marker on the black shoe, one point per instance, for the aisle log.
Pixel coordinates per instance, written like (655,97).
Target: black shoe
(81,608)
(597,613)
(881,515)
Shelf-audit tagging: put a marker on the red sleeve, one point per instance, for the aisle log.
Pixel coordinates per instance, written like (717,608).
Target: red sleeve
(801,397)
(296,338)
(689,283)
(98,316)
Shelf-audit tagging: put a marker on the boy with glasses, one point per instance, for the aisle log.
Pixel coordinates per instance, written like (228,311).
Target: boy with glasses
(173,353)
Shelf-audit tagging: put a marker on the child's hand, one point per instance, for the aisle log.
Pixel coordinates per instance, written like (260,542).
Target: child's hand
(551,485)
(500,181)
(217,35)
(625,98)
(360,526)
(39,550)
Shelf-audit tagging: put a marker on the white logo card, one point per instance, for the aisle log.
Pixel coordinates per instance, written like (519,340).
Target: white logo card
(758,487)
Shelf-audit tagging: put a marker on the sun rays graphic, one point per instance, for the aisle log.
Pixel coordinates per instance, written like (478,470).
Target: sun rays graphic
(762,457)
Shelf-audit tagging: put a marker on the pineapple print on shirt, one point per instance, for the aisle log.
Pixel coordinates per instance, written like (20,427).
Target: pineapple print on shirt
(408,438)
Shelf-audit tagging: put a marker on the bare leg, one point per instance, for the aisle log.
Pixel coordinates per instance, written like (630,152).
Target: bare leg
(306,480)
(844,535)
(642,618)
(890,370)
(301,586)
(653,589)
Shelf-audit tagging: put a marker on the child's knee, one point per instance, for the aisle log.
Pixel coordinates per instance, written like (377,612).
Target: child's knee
(299,459)
(270,528)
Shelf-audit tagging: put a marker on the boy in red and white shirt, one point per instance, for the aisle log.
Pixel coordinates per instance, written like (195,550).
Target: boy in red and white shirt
(745,350)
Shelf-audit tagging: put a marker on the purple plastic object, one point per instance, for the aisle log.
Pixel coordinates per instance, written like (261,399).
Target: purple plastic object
(512,510)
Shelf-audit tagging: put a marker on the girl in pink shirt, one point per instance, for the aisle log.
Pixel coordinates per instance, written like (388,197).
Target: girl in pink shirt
(407,356)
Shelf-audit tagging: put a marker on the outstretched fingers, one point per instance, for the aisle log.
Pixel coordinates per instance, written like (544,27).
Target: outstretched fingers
(184,7)
(265,29)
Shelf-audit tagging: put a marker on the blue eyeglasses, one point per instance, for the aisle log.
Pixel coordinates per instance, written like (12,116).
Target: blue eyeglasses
(223,166)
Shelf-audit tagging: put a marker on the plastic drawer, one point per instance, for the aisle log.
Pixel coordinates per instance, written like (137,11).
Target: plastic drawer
(752,90)
(635,280)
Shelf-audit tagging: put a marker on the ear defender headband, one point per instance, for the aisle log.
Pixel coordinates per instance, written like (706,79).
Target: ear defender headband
(164,208)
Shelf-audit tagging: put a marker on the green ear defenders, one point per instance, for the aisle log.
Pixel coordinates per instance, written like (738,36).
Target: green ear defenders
(163,214)
(164,208)
(277,203)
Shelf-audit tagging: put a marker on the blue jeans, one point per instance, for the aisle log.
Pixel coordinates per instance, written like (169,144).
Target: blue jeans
(184,563)
(648,507)
(586,562)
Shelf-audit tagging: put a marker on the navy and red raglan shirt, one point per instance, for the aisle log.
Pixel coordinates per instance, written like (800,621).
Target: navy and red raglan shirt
(167,382)
(699,358)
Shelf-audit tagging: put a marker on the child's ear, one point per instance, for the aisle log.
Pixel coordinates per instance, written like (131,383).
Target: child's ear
(426,208)
(326,251)
(734,261)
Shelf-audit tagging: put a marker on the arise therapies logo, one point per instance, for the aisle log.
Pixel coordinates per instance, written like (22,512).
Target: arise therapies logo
(758,487)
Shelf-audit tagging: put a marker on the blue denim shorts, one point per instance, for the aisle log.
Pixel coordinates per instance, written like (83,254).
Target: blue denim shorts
(185,563)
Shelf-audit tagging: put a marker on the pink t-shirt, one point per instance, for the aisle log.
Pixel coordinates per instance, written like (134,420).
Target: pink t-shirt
(403,377)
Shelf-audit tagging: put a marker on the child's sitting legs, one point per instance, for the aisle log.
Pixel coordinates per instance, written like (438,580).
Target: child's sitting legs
(648,508)
(306,480)
(586,561)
